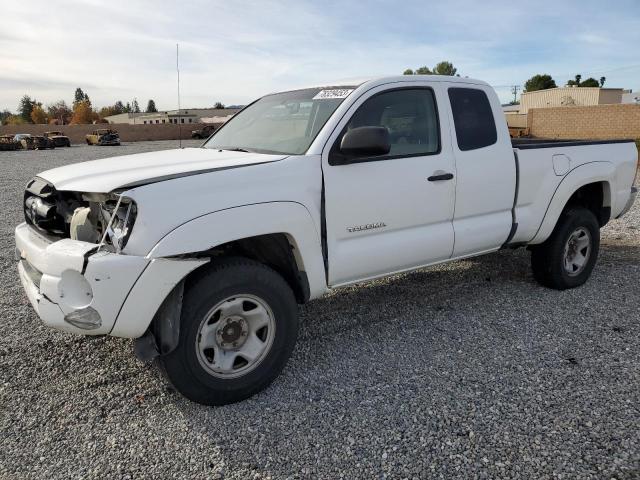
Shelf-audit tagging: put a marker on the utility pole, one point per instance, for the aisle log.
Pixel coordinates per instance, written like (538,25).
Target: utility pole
(179,115)
(515,89)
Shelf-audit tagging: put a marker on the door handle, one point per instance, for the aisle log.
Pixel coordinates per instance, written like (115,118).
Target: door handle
(439,176)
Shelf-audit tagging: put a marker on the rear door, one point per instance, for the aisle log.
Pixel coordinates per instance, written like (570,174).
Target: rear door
(485,166)
(382,213)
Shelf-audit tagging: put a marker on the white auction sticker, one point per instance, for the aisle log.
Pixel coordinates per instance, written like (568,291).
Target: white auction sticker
(329,94)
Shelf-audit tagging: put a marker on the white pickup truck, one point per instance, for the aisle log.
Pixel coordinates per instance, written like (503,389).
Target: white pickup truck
(203,254)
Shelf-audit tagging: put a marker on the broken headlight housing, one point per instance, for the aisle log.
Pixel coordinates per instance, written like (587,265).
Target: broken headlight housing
(107,220)
(119,217)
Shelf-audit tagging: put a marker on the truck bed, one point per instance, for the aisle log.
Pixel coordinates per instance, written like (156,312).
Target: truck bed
(528,143)
(544,164)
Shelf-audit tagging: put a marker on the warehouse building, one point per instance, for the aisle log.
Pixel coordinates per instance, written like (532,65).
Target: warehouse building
(569,96)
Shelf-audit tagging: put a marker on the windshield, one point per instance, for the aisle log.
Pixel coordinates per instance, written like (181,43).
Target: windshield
(282,123)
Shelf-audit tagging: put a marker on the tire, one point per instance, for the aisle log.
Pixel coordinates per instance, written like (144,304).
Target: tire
(566,259)
(206,375)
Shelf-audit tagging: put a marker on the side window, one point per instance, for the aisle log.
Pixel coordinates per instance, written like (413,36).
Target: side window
(411,117)
(473,118)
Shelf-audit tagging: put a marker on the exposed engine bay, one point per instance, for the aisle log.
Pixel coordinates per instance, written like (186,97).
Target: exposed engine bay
(102,218)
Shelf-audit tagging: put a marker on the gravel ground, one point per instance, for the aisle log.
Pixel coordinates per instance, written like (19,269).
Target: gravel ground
(468,370)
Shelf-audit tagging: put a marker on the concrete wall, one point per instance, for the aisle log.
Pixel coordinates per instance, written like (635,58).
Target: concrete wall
(128,133)
(595,122)
(516,120)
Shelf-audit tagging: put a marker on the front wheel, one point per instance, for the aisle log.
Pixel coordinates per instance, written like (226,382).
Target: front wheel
(566,259)
(238,328)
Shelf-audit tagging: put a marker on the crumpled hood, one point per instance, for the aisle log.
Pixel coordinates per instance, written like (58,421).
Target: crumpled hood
(129,171)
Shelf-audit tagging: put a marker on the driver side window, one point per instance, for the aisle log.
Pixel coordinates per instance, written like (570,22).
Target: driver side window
(409,115)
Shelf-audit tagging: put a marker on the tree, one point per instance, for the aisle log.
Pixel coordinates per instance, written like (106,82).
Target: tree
(25,107)
(445,68)
(80,96)
(60,112)
(115,109)
(135,108)
(127,108)
(83,113)
(219,105)
(15,120)
(539,82)
(590,82)
(442,68)
(4,116)
(576,82)
(151,107)
(37,115)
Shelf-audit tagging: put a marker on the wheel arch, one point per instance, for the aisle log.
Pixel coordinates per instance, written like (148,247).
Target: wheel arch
(258,231)
(589,186)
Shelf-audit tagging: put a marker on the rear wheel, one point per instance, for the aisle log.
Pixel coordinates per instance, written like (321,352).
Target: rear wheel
(238,328)
(567,258)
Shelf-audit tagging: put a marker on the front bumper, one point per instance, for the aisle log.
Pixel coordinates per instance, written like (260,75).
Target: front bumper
(66,278)
(76,289)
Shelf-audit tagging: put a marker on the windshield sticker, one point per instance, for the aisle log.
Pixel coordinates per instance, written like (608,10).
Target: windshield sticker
(330,94)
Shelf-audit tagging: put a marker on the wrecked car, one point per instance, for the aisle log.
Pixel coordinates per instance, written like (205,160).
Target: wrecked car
(8,143)
(59,139)
(103,136)
(34,142)
(204,132)
(40,142)
(203,254)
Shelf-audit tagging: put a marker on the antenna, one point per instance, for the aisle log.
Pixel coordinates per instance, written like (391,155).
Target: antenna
(179,117)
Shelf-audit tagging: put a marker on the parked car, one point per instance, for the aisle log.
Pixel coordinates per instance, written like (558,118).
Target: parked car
(34,142)
(40,142)
(202,254)
(103,136)
(204,132)
(24,141)
(8,142)
(58,138)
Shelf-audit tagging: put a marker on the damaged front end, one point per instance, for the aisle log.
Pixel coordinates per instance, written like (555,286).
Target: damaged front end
(77,274)
(105,219)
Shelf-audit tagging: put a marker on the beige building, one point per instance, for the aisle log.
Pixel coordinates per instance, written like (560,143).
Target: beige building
(569,96)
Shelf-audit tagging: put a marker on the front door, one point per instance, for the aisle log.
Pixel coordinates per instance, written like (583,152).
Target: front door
(393,212)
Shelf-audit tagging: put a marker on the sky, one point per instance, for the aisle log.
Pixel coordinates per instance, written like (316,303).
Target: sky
(235,51)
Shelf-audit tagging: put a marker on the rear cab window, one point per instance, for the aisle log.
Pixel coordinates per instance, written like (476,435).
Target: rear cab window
(473,118)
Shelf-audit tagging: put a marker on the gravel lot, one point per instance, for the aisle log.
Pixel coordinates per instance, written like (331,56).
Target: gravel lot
(469,370)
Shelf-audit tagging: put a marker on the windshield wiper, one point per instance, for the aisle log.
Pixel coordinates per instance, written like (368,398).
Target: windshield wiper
(235,149)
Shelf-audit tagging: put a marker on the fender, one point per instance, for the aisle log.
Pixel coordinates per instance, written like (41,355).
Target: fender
(216,228)
(584,174)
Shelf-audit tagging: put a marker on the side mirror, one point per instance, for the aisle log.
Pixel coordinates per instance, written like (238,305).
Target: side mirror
(365,142)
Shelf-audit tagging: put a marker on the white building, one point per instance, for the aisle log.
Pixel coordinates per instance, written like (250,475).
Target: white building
(184,116)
